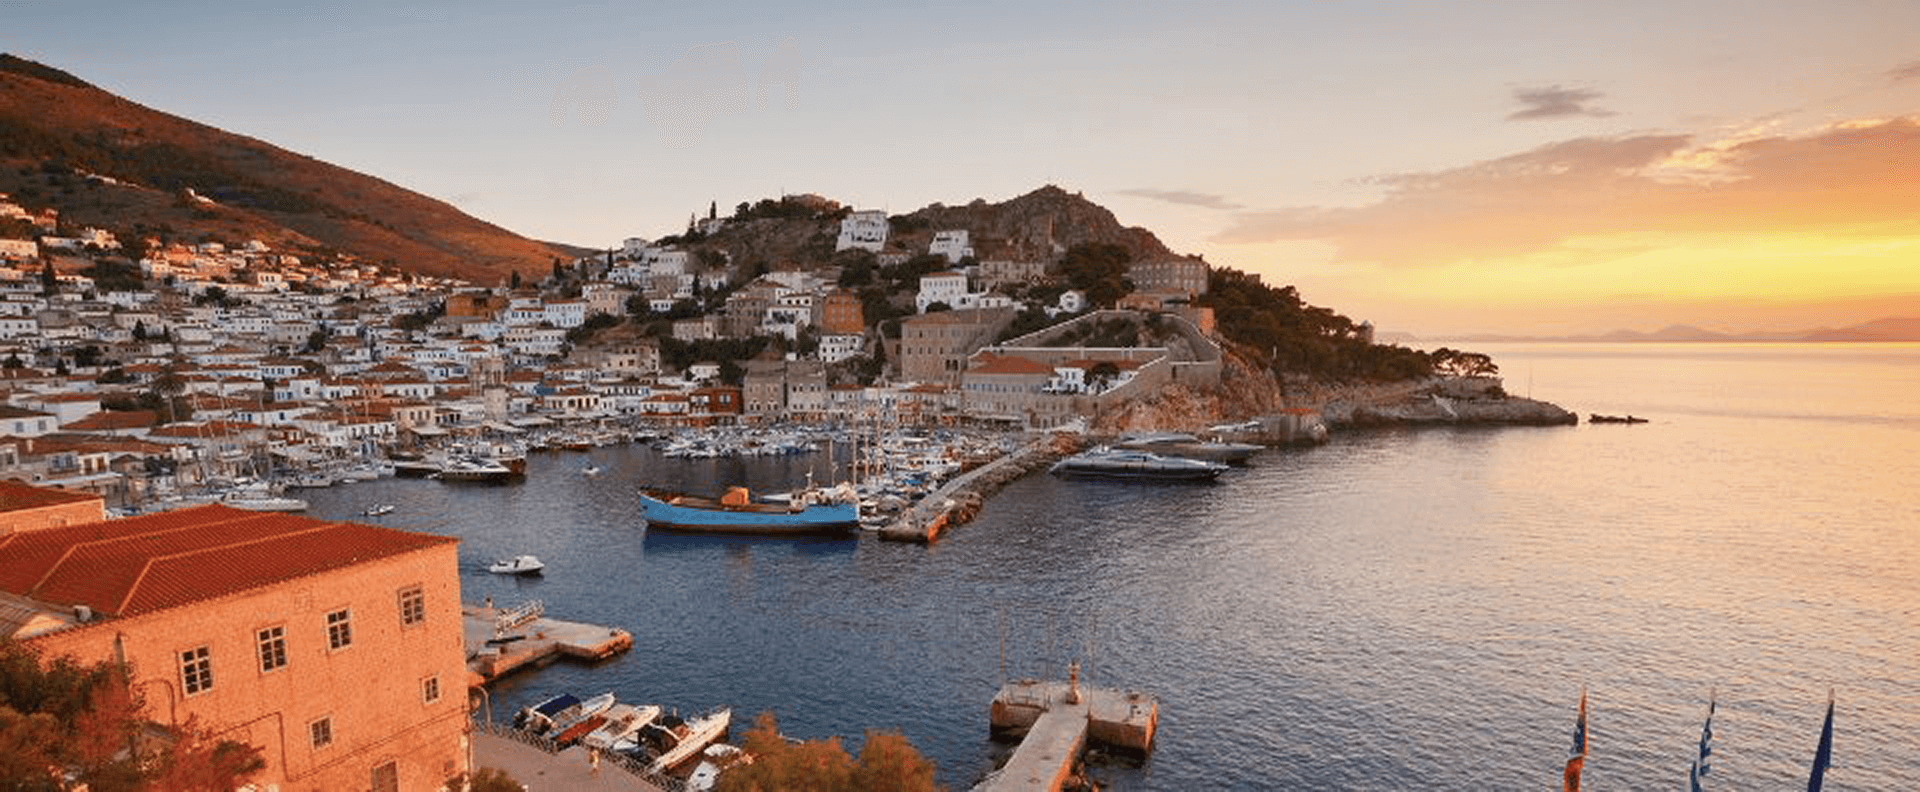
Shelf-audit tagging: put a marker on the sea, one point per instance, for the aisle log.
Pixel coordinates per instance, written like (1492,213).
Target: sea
(1415,608)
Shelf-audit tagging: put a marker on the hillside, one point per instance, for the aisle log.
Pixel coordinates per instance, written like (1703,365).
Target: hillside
(1038,226)
(56,130)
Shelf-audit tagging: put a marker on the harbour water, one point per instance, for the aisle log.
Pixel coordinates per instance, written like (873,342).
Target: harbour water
(1411,609)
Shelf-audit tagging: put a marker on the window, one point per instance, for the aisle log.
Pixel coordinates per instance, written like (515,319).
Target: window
(386,778)
(413,606)
(320,732)
(196,670)
(430,689)
(273,648)
(340,629)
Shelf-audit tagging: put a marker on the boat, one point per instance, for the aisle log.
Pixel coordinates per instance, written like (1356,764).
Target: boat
(623,720)
(517,565)
(538,718)
(714,761)
(260,497)
(591,470)
(676,742)
(1619,419)
(1181,444)
(811,512)
(567,722)
(473,468)
(378,509)
(1118,463)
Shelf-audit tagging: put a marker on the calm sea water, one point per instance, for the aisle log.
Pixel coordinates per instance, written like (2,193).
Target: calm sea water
(1394,610)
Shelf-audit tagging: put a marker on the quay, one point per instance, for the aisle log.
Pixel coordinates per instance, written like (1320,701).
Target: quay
(502,640)
(956,501)
(1060,719)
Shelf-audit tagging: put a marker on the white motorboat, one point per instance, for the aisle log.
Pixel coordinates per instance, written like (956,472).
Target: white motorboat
(591,470)
(379,509)
(714,761)
(517,565)
(622,721)
(690,738)
(1139,465)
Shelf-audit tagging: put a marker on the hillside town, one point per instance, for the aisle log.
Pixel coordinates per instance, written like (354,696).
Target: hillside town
(143,368)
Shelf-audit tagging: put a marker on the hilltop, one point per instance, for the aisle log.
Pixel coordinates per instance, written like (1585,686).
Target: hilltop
(106,161)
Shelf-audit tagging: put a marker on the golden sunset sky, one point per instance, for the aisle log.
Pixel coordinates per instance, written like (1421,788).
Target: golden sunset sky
(1433,166)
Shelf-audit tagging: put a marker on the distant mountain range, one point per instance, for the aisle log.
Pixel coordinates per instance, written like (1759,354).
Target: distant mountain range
(59,134)
(1890,329)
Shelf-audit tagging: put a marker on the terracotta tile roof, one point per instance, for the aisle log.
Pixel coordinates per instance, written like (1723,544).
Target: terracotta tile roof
(15,496)
(161,561)
(109,420)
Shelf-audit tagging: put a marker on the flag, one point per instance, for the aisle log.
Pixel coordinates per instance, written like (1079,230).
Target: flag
(1577,755)
(1703,764)
(1824,756)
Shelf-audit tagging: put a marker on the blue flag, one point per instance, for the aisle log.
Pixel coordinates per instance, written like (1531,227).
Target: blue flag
(1703,764)
(1823,757)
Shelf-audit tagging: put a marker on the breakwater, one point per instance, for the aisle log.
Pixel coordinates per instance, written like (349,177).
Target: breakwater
(959,499)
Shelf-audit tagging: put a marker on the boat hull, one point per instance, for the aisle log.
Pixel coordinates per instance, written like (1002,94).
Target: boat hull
(813,520)
(1117,473)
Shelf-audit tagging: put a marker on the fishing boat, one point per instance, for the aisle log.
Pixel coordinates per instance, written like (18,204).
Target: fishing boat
(517,565)
(1117,463)
(1181,444)
(677,742)
(1619,419)
(810,512)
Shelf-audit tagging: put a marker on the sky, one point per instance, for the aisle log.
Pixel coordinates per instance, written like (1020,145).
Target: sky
(1434,166)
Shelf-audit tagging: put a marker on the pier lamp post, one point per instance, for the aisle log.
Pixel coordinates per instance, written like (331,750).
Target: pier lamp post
(487,699)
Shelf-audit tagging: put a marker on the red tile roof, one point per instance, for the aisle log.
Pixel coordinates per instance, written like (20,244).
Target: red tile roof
(15,496)
(991,363)
(160,561)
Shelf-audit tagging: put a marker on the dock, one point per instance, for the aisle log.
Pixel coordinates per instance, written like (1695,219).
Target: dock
(503,640)
(956,501)
(1060,719)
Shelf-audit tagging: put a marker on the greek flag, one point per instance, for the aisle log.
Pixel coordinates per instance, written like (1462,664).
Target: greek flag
(1577,755)
(1824,756)
(1703,764)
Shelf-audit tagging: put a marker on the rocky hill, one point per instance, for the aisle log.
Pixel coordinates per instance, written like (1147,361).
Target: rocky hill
(109,162)
(800,231)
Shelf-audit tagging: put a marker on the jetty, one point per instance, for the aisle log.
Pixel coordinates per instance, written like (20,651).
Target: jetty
(956,501)
(1060,719)
(503,640)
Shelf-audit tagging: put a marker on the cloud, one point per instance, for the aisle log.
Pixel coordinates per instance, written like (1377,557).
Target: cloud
(1583,200)
(1554,101)
(1185,197)
(1909,72)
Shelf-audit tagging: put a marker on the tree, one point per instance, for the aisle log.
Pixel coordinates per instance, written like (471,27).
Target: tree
(514,282)
(887,762)
(316,340)
(87,722)
(1100,270)
(713,210)
(1100,374)
(49,282)
(13,361)
(485,779)
(139,330)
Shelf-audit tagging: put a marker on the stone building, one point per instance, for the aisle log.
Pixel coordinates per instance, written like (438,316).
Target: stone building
(25,508)
(934,347)
(334,648)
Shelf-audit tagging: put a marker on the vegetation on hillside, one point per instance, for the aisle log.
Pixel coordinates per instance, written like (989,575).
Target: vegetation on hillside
(1277,328)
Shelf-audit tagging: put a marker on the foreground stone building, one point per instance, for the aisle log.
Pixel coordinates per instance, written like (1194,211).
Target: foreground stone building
(335,648)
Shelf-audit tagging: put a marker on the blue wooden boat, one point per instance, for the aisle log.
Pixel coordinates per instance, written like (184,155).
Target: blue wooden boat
(736,512)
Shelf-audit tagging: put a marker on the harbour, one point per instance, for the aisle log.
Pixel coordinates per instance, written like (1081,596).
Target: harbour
(1366,613)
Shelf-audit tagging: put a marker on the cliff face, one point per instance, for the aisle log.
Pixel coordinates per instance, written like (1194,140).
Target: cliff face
(1244,392)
